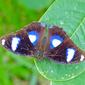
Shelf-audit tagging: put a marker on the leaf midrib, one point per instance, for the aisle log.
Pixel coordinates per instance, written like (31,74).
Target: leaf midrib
(73,34)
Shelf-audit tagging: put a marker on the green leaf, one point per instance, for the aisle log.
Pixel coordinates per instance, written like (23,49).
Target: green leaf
(70,15)
(80,80)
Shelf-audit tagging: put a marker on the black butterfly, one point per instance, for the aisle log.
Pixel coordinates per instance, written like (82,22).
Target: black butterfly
(38,40)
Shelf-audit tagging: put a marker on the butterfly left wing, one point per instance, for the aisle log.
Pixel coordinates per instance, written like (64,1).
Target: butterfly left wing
(61,48)
(25,41)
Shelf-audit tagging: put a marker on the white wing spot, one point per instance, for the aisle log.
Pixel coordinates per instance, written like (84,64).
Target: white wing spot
(56,42)
(3,41)
(32,38)
(70,54)
(82,58)
(15,42)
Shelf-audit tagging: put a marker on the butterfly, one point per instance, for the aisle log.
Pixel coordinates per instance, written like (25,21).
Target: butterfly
(36,39)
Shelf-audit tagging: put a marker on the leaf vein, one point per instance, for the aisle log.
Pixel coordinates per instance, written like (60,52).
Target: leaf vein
(77,27)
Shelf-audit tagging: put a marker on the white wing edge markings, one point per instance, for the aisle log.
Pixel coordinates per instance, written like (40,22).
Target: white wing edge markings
(82,58)
(15,42)
(3,41)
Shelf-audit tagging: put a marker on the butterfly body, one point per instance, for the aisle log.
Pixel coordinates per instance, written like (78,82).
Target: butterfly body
(39,41)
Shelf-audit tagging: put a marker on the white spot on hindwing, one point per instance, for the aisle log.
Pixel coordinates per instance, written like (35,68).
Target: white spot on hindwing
(3,41)
(70,52)
(15,42)
(56,42)
(82,58)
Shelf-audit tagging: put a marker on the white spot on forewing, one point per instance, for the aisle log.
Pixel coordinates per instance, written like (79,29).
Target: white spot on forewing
(3,41)
(70,54)
(32,38)
(82,58)
(56,42)
(15,42)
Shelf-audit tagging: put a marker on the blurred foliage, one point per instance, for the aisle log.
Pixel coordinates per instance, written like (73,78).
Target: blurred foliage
(14,14)
(36,4)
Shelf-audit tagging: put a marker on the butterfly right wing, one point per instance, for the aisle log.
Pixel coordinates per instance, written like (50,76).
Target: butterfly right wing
(61,48)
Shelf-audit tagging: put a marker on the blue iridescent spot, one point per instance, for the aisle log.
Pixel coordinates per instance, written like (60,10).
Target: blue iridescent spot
(33,36)
(55,41)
